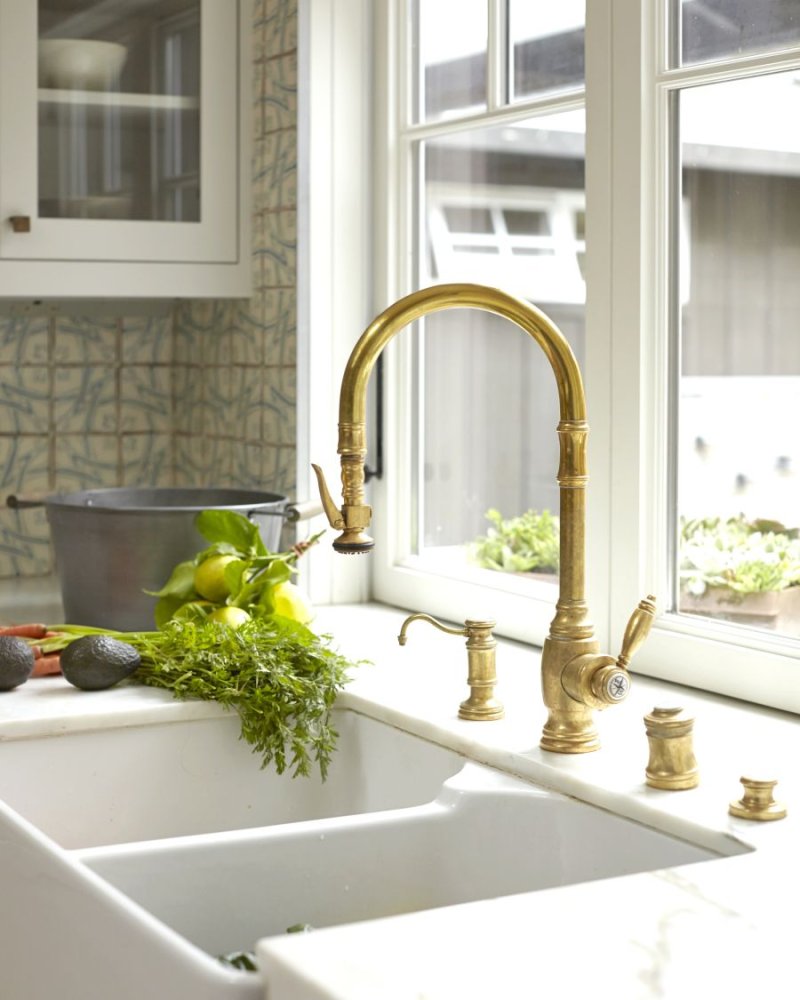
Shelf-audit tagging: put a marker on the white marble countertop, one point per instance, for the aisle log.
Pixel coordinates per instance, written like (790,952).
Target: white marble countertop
(718,925)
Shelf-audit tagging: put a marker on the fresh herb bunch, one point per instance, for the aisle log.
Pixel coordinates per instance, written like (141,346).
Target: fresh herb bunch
(523,544)
(747,557)
(280,677)
(248,572)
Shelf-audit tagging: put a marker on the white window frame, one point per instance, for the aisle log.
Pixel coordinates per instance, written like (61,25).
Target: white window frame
(629,271)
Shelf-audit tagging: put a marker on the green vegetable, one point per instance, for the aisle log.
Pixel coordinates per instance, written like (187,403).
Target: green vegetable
(236,570)
(521,544)
(244,960)
(97,662)
(16,662)
(280,677)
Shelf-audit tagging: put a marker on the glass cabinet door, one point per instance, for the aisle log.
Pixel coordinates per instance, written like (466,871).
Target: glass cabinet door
(120,130)
(119,109)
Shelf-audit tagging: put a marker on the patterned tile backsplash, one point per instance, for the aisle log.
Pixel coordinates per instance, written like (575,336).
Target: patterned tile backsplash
(201,394)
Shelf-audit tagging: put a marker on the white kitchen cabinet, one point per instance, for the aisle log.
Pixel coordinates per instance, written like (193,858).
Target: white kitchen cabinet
(124,148)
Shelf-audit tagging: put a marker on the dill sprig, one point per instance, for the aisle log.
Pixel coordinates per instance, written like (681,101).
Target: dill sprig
(279,676)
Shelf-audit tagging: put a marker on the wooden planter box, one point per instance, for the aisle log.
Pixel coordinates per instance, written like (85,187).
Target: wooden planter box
(773,609)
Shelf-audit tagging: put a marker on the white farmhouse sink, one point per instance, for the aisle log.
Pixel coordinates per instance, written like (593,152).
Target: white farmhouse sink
(485,835)
(161,780)
(400,826)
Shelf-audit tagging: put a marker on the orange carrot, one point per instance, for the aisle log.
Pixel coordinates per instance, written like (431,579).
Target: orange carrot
(33,631)
(47,665)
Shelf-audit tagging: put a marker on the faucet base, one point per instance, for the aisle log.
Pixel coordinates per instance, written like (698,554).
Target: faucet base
(570,732)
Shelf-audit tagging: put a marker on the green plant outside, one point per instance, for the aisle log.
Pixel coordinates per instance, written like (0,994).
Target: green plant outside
(747,557)
(524,544)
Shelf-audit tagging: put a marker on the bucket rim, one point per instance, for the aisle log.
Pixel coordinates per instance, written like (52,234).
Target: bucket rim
(226,498)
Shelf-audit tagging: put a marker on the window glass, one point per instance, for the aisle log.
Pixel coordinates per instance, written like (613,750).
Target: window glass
(449,39)
(503,206)
(546,46)
(715,29)
(119,110)
(738,446)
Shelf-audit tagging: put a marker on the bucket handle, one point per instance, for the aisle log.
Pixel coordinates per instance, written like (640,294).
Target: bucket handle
(296,510)
(24,501)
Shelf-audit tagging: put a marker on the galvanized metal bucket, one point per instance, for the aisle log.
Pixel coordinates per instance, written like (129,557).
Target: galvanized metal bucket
(113,544)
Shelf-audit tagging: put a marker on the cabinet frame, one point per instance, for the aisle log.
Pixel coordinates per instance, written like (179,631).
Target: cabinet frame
(97,257)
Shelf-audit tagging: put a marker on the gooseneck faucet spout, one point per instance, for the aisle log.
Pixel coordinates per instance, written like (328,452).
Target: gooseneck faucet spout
(575,678)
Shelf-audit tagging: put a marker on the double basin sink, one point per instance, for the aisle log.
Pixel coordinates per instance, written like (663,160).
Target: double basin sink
(133,857)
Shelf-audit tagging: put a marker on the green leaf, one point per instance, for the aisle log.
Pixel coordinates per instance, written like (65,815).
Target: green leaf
(180,583)
(234,577)
(231,527)
(165,608)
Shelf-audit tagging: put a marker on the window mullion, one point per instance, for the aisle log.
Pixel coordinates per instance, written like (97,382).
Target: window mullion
(497,55)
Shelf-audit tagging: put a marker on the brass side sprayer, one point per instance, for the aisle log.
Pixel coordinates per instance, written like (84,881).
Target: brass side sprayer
(576,678)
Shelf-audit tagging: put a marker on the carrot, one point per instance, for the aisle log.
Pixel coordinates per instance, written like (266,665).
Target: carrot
(47,665)
(33,631)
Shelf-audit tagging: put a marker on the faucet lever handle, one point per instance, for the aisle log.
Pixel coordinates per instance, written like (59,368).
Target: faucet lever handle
(637,630)
(332,512)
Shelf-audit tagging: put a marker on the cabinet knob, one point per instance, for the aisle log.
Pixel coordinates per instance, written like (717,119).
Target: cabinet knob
(20,223)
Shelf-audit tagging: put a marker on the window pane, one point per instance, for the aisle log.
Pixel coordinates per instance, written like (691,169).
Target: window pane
(546,45)
(449,38)
(739,450)
(715,29)
(489,397)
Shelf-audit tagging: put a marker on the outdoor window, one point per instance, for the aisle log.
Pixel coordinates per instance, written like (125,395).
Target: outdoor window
(637,177)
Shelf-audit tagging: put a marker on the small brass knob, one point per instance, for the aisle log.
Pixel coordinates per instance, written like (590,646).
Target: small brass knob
(672,765)
(20,223)
(757,803)
(481,706)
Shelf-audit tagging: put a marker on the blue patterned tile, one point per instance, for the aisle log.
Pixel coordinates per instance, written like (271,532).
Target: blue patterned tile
(278,469)
(275,26)
(24,534)
(278,253)
(146,340)
(280,407)
(275,99)
(24,339)
(246,465)
(145,399)
(280,326)
(187,399)
(247,333)
(147,460)
(275,171)
(85,400)
(199,329)
(248,407)
(85,461)
(24,400)
(85,340)
(188,452)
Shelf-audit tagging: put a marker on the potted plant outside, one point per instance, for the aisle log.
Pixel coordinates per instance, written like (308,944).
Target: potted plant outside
(742,571)
(528,543)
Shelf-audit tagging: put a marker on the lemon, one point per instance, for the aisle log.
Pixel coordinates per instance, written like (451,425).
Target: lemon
(209,578)
(230,616)
(292,602)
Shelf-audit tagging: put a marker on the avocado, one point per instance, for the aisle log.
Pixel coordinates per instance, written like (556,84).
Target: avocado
(96,662)
(16,662)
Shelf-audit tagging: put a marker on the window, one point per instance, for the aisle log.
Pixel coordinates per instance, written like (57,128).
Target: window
(594,165)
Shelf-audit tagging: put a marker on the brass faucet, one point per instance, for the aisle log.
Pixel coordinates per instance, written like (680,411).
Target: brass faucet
(576,677)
